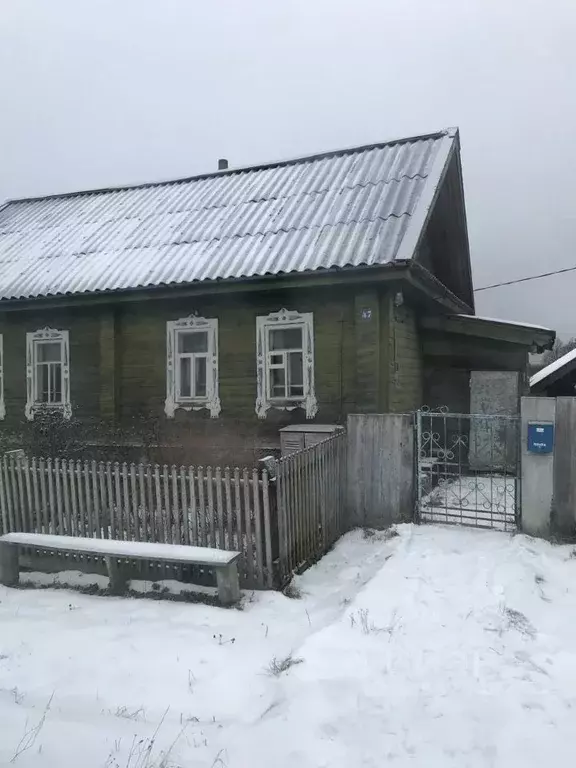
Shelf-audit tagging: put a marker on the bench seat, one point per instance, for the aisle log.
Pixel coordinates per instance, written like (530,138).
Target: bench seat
(224,563)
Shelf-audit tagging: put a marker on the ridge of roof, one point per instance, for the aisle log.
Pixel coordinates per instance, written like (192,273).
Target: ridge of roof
(449,132)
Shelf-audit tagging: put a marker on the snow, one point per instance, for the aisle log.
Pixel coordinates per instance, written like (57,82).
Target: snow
(553,367)
(505,322)
(139,549)
(440,648)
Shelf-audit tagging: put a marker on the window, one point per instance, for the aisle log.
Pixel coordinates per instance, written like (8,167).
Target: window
(285,362)
(192,365)
(47,372)
(2,406)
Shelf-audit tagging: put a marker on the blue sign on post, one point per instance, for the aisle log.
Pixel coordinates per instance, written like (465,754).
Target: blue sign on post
(540,438)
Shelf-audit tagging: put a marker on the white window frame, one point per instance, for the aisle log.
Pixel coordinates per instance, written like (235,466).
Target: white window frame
(211,400)
(277,320)
(33,340)
(2,405)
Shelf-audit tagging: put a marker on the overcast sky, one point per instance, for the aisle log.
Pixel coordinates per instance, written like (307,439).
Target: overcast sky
(105,92)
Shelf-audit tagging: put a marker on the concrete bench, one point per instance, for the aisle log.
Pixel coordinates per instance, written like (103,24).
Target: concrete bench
(224,563)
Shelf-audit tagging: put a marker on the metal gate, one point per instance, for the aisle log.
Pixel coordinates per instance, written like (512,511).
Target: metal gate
(468,469)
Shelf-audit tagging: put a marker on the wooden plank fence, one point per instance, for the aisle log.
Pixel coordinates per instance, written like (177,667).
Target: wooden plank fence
(311,503)
(280,523)
(201,506)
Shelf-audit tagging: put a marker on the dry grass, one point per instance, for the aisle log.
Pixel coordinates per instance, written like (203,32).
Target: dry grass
(277,666)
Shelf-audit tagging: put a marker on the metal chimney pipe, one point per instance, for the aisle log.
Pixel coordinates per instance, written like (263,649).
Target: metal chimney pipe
(222,164)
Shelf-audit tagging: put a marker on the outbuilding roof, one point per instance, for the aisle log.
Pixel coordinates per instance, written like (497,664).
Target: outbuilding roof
(348,208)
(554,371)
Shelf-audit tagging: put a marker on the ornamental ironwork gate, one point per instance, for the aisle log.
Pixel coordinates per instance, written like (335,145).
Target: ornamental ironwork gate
(468,469)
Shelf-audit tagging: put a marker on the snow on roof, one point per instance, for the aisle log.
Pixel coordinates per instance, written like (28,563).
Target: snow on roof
(506,322)
(345,208)
(557,365)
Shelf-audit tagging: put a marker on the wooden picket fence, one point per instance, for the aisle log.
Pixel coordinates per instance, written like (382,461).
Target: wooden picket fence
(311,487)
(200,506)
(281,523)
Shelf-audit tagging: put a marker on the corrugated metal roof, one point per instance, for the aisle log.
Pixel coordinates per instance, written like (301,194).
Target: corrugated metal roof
(346,208)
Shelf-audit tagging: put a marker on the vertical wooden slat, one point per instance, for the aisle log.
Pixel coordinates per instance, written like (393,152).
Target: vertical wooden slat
(16,506)
(153,530)
(102,496)
(177,535)
(56,502)
(134,523)
(89,517)
(66,497)
(167,513)
(21,495)
(228,496)
(72,510)
(126,503)
(248,530)
(81,518)
(142,512)
(43,496)
(258,541)
(160,519)
(184,507)
(52,523)
(193,513)
(111,501)
(3,500)
(118,499)
(305,505)
(220,541)
(8,489)
(239,546)
(283,532)
(292,507)
(96,501)
(36,495)
(201,509)
(269,567)
(210,494)
(320,494)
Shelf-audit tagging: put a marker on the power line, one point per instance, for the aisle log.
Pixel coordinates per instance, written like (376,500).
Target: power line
(526,279)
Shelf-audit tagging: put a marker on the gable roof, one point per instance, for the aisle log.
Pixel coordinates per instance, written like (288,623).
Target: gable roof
(554,371)
(355,207)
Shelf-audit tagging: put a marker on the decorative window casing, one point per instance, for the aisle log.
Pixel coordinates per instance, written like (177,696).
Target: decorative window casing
(192,365)
(285,363)
(48,372)
(2,406)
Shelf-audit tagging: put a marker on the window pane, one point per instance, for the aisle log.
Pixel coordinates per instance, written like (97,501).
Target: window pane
(296,374)
(286,338)
(55,377)
(42,384)
(200,377)
(277,382)
(192,341)
(185,377)
(49,352)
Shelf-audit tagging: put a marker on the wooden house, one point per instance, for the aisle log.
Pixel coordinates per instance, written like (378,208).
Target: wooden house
(190,320)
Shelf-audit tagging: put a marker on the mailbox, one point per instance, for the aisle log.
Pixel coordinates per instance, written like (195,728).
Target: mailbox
(540,437)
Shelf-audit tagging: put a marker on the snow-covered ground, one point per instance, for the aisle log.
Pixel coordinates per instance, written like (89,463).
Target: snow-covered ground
(439,647)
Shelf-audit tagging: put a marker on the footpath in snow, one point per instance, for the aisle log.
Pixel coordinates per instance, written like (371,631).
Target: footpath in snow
(437,647)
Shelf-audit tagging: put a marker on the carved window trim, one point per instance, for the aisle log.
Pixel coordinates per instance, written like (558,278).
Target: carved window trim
(32,405)
(2,405)
(211,401)
(285,319)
